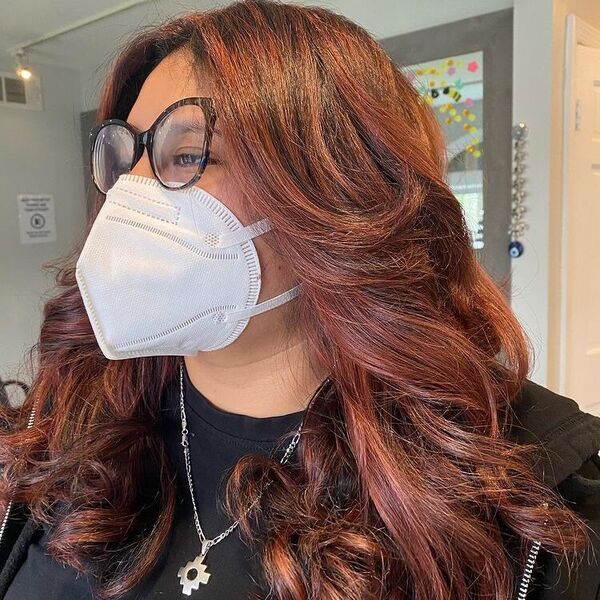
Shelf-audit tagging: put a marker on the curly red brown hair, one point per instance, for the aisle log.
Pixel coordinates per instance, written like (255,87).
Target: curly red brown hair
(405,475)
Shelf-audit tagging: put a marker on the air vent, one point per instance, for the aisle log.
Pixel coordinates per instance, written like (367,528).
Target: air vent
(16,92)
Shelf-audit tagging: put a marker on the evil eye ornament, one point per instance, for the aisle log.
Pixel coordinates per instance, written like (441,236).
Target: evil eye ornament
(515,249)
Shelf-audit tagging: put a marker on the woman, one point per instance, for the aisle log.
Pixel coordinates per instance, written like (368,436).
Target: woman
(275,367)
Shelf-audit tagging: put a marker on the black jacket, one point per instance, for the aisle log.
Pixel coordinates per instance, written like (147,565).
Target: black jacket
(570,463)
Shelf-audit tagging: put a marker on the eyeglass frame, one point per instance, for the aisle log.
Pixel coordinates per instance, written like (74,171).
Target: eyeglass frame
(144,139)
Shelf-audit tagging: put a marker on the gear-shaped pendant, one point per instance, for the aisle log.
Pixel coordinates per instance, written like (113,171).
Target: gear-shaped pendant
(201,576)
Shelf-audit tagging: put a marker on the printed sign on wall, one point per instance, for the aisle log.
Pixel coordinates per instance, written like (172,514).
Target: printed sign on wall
(37,221)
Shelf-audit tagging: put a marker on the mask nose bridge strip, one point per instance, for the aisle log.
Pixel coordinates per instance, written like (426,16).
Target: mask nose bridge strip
(244,234)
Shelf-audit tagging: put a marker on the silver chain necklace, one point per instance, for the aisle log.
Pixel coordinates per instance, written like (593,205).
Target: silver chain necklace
(194,572)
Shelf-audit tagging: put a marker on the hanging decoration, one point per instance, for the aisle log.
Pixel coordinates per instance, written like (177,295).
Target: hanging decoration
(517,222)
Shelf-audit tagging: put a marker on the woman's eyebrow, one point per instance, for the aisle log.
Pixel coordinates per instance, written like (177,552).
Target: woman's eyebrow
(182,127)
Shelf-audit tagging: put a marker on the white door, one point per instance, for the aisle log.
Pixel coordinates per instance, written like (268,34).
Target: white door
(581,237)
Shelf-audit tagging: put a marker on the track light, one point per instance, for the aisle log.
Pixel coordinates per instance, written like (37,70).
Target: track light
(22,70)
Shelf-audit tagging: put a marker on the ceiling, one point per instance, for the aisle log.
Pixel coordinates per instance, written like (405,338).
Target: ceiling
(90,45)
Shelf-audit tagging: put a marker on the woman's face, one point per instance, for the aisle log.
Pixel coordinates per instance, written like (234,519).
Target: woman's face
(175,78)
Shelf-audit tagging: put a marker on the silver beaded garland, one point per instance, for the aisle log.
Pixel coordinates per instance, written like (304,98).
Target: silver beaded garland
(517,223)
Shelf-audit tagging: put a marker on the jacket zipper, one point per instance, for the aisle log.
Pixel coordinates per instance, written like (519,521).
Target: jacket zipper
(10,503)
(526,578)
(523,586)
(531,558)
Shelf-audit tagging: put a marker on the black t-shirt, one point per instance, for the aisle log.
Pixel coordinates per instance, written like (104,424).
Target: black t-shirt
(217,440)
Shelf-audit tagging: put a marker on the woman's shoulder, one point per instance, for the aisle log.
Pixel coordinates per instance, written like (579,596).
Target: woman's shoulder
(569,462)
(19,533)
(569,435)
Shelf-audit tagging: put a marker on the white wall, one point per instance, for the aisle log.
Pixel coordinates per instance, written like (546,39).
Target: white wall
(40,153)
(532,104)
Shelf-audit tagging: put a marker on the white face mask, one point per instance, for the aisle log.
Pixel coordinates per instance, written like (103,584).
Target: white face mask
(169,272)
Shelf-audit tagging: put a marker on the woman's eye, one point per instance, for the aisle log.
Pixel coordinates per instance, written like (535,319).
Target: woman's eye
(186,159)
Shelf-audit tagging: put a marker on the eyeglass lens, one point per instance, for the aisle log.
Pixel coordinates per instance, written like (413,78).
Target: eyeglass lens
(112,155)
(178,149)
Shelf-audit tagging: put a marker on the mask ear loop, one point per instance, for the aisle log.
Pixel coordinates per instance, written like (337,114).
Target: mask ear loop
(224,240)
(273,302)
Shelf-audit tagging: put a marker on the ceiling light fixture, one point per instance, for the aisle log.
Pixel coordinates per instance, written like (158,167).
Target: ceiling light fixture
(23,70)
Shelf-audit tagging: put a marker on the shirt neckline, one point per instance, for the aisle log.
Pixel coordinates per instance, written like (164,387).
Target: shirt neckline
(245,427)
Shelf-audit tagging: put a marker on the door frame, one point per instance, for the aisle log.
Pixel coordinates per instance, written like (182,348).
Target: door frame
(577,31)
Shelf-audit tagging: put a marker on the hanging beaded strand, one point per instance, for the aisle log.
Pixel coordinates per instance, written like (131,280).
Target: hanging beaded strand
(517,222)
